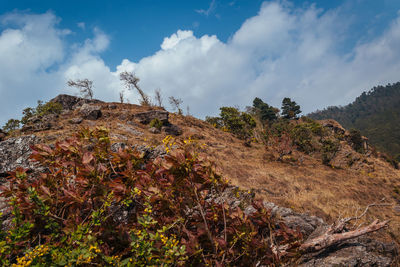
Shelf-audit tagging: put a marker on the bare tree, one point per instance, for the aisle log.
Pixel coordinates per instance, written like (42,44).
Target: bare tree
(176,104)
(131,81)
(158,97)
(121,97)
(85,87)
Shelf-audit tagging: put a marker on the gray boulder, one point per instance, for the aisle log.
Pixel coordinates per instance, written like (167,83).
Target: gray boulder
(77,120)
(147,117)
(40,123)
(154,130)
(305,223)
(90,112)
(15,152)
(172,129)
(70,102)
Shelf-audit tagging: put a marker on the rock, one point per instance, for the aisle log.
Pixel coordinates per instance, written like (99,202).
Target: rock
(150,153)
(15,152)
(299,221)
(40,123)
(147,117)
(334,126)
(123,116)
(2,135)
(154,130)
(118,136)
(75,120)
(116,146)
(249,210)
(362,251)
(129,129)
(90,112)
(112,106)
(234,197)
(70,102)
(172,129)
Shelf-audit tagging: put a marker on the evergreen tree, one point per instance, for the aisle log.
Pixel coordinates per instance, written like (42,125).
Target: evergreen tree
(264,111)
(290,109)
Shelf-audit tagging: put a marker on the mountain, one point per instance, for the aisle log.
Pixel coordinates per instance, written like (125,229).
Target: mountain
(112,183)
(375,113)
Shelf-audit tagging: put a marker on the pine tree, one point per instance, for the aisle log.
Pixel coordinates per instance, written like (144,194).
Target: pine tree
(290,109)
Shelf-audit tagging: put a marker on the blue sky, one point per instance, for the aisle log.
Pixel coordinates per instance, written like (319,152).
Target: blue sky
(209,53)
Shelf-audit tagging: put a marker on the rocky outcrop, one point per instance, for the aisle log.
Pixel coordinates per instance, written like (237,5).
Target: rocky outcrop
(334,126)
(40,123)
(147,117)
(172,129)
(15,152)
(70,102)
(90,112)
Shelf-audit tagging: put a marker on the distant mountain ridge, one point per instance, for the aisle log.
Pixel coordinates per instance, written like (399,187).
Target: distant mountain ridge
(375,113)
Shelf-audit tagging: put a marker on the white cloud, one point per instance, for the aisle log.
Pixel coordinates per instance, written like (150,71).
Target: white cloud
(29,47)
(282,51)
(209,10)
(81,25)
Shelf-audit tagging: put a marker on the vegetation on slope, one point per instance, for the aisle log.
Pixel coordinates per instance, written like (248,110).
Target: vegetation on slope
(375,113)
(93,206)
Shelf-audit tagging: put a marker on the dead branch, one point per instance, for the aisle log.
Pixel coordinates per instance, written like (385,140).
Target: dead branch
(328,239)
(335,233)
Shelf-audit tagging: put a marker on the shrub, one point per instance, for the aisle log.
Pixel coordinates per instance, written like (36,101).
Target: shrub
(48,108)
(278,128)
(302,138)
(41,110)
(97,207)
(27,114)
(156,123)
(356,140)
(215,121)
(239,123)
(329,149)
(11,125)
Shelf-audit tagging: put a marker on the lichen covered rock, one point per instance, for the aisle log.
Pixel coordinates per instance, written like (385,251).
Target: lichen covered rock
(15,152)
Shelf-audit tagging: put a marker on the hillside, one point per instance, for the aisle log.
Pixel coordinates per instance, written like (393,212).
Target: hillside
(375,113)
(303,181)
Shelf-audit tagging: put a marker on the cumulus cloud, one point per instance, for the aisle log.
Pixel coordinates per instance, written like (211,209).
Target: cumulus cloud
(280,52)
(30,46)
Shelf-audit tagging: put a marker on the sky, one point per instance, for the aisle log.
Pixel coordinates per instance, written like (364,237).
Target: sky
(209,53)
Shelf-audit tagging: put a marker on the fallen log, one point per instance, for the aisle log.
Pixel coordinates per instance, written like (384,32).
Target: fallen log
(330,238)
(335,234)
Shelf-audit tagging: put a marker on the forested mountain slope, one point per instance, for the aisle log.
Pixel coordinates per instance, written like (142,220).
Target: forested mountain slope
(375,113)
